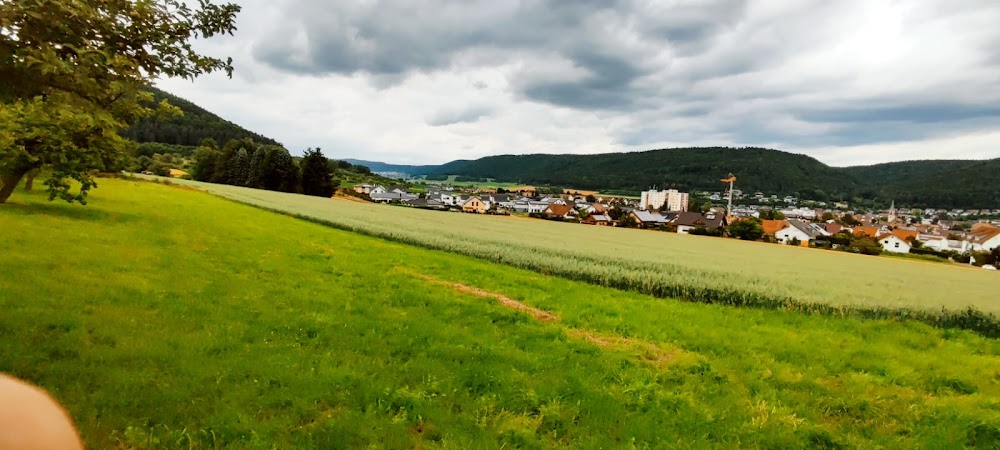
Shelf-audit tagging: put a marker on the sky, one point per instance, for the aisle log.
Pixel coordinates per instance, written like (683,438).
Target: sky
(848,82)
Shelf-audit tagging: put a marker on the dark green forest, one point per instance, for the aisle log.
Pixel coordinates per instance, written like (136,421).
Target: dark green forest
(190,129)
(943,184)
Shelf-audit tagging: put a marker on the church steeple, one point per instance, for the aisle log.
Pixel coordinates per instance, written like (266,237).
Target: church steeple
(892,211)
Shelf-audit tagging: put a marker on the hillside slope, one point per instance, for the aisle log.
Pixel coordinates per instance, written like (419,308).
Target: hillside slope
(190,129)
(757,169)
(958,184)
(940,183)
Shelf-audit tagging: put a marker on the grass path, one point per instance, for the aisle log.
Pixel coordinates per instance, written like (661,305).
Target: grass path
(165,318)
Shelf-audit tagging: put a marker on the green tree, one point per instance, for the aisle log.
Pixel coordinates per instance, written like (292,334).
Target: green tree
(771,214)
(316,177)
(828,216)
(850,221)
(74,74)
(616,212)
(629,221)
(747,229)
(278,171)
(206,159)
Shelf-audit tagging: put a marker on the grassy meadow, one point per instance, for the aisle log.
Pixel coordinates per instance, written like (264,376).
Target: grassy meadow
(665,264)
(167,318)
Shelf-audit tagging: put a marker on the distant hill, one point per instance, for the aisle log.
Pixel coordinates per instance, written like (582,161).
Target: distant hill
(188,130)
(377,166)
(945,183)
(941,183)
(757,169)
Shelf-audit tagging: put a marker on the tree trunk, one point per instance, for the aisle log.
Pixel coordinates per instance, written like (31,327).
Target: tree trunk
(8,181)
(30,181)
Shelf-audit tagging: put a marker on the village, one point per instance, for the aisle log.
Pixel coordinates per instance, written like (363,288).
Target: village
(957,235)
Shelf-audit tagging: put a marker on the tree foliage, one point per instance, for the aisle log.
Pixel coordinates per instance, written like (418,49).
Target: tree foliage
(190,129)
(747,229)
(74,74)
(317,178)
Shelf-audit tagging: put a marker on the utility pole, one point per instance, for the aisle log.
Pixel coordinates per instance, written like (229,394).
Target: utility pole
(730,179)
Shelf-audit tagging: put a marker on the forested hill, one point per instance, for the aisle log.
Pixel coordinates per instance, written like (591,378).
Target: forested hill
(952,184)
(757,169)
(946,184)
(195,125)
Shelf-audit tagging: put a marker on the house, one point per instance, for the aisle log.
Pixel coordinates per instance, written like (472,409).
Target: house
(366,188)
(474,205)
(649,219)
(397,189)
(892,243)
(867,231)
(387,197)
(428,203)
(798,230)
(561,211)
(596,208)
(984,237)
(772,227)
(939,243)
(377,190)
(529,206)
(505,201)
(905,235)
(487,201)
(687,221)
(833,228)
(596,219)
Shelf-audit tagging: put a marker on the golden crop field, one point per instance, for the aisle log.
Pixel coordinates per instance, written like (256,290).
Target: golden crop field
(708,269)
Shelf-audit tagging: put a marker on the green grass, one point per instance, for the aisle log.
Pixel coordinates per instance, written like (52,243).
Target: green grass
(169,318)
(693,268)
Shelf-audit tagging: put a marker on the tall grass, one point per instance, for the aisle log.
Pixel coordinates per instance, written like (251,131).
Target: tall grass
(697,269)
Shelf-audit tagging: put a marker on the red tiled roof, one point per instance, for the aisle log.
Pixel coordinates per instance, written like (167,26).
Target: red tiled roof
(866,231)
(773,226)
(558,210)
(905,235)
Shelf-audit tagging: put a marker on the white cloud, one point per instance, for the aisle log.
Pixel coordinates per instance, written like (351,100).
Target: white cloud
(848,82)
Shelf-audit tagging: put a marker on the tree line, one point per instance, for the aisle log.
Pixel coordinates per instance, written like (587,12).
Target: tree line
(243,162)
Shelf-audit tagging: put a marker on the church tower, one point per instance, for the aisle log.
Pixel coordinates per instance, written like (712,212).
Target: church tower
(892,212)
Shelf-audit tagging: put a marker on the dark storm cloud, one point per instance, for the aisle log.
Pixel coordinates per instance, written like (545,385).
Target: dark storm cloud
(801,73)
(614,43)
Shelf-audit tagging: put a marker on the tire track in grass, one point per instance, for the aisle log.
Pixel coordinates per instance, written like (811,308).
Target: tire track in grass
(539,314)
(658,355)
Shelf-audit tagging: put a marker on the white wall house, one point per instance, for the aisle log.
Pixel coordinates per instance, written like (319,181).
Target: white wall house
(790,233)
(797,230)
(984,239)
(893,244)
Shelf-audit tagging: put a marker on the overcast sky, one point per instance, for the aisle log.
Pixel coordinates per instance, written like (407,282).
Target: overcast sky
(424,82)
